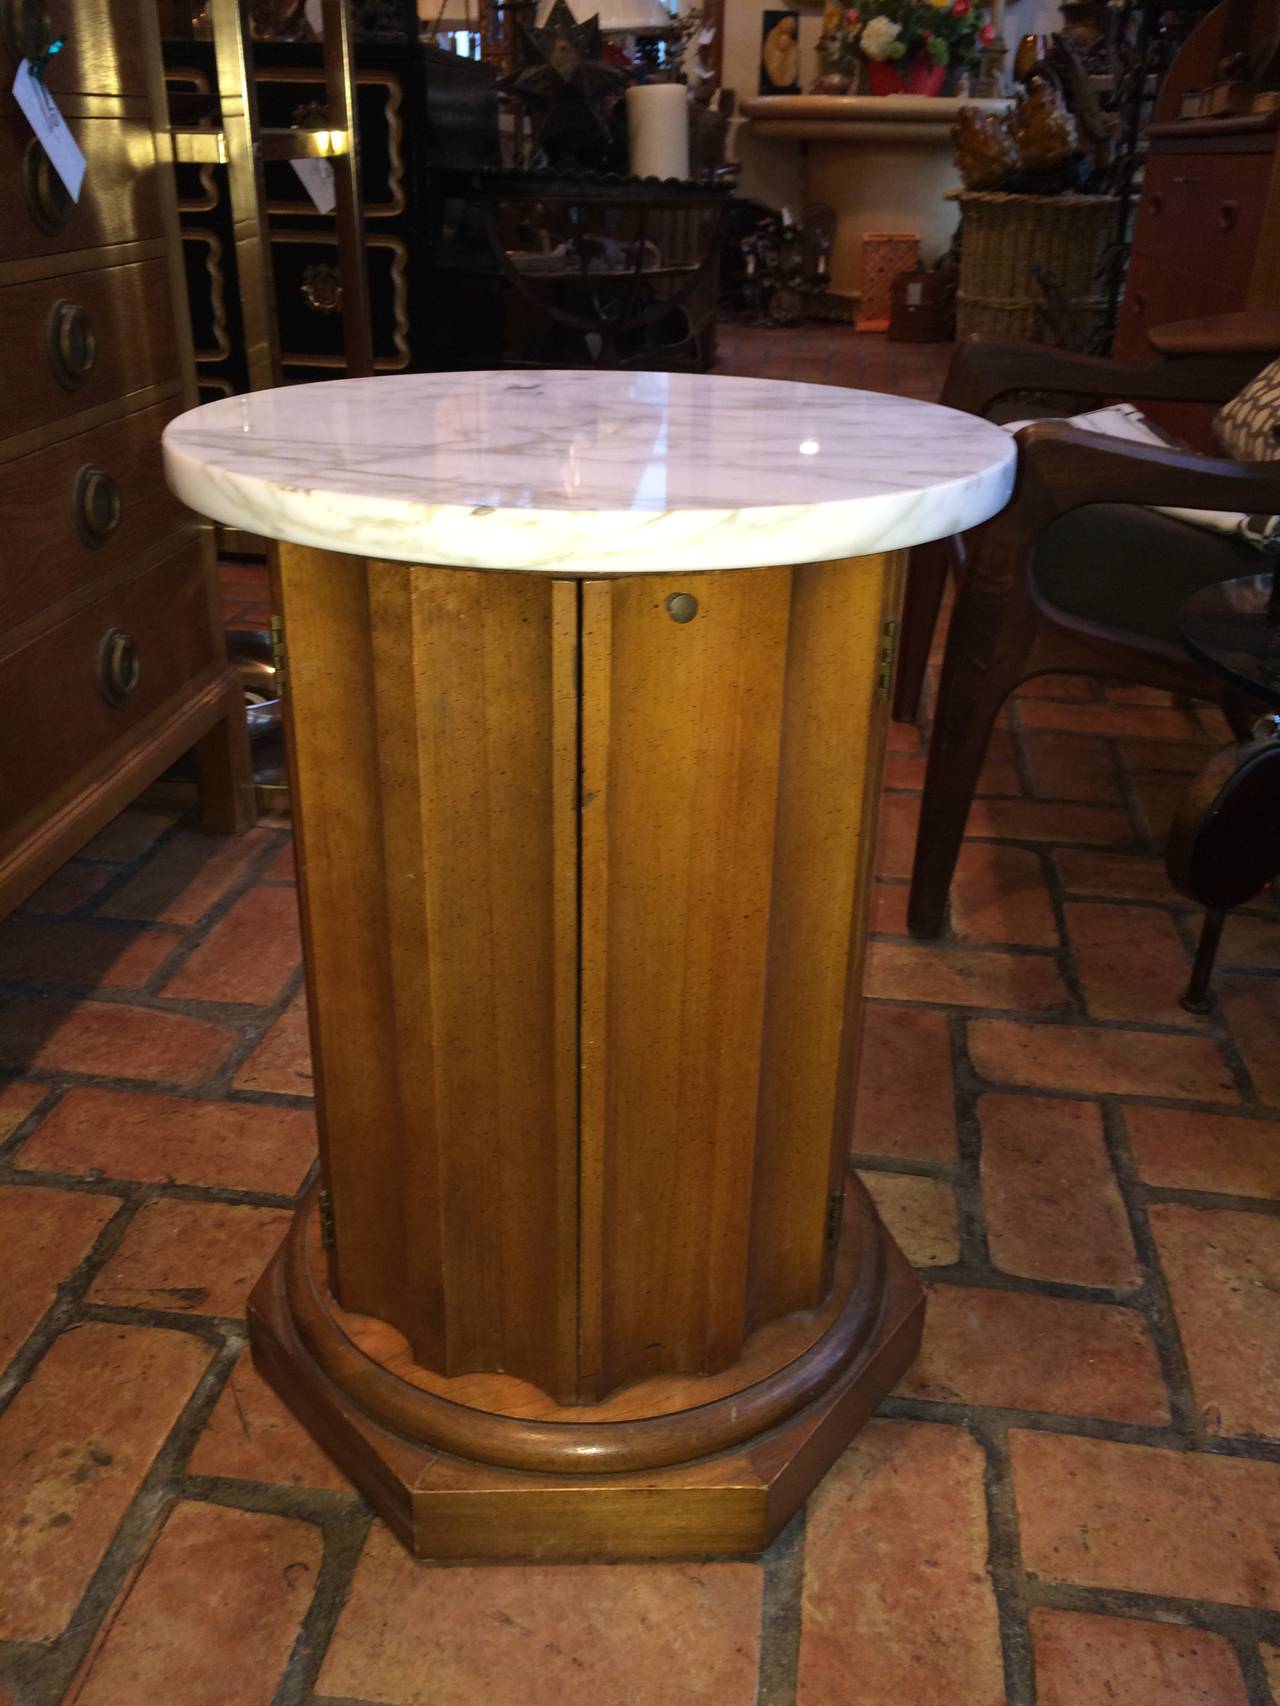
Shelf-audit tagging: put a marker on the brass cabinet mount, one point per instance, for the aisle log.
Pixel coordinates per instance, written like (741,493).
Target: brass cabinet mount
(119,666)
(95,505)
(72,343)
(48,199)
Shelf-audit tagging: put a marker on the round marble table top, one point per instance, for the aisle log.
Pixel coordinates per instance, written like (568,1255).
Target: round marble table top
(583,472)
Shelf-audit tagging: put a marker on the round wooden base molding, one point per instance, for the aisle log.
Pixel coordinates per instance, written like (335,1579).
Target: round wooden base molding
(714,1412)
(718,1464)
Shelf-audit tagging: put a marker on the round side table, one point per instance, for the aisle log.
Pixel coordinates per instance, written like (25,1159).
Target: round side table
(586,677)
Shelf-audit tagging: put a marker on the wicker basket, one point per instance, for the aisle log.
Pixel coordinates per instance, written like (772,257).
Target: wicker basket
(1004,238)
(884,255)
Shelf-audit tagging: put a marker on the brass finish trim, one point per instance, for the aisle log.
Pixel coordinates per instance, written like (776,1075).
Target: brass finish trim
(400,303)
(198,147)
(217,292)
(95,505)
(72,344)
(104,106)
(201,85)
(48,200)
(304,144)
(119,666)
(392,111)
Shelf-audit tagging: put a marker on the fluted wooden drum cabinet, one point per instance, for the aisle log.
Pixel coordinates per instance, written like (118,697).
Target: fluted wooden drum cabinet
(586,675)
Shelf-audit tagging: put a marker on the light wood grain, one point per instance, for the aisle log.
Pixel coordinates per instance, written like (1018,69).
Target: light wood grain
(680,754)
(832,745)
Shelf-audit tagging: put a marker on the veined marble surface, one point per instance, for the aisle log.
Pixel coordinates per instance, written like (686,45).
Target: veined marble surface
(580,473)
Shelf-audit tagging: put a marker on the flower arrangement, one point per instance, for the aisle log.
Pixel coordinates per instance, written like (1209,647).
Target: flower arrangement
(927,33)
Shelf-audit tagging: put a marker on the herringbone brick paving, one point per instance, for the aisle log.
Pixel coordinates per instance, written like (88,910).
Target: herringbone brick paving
(1074,1497)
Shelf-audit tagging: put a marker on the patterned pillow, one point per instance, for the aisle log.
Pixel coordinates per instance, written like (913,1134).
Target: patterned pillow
(1248,427)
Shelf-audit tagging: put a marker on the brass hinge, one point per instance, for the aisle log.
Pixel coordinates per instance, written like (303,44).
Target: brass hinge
(326,1220)
(835,1218)
(887,644)
(277,653)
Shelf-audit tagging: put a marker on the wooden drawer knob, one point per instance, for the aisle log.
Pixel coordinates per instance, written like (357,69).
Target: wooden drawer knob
(48,201)
(119,666)
(1155,201)
(73,346)
(1228,214)
(26,27)
(95,505)
(1139,302)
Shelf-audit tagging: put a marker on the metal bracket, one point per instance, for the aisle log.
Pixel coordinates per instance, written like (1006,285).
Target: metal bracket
(326,1220)
(887,646)
(277,653)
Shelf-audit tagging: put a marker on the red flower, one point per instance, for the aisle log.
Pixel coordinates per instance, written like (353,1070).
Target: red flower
(961,8)
(851,17)
(987,34)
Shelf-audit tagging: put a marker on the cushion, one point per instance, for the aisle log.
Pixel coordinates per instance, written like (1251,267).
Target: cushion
(1132,568)
(1247,429)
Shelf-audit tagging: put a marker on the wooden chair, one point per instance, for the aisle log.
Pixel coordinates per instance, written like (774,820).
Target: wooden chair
(1073,577)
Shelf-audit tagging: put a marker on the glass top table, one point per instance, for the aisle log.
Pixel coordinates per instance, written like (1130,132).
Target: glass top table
(1234,627)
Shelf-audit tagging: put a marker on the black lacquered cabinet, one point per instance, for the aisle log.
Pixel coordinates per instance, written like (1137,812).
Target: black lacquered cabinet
(425,119)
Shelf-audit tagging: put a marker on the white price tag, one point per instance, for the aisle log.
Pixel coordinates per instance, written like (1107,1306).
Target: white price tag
(317,180)
(50,127)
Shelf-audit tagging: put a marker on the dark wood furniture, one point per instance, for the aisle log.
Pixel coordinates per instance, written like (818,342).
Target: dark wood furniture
(587,270)
(1040,593)
(112,661)
(1206,234)
(425,119)
(1224,843)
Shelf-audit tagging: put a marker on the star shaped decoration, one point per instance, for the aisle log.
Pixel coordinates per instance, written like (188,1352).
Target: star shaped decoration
(568,86)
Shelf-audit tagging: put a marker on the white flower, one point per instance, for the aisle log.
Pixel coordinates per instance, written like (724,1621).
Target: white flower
(878,36)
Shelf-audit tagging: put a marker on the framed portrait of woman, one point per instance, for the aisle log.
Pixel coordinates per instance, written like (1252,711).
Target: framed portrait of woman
(780,53)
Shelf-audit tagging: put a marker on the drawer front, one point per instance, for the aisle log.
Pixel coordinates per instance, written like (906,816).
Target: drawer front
(1204,211)
(82,509)
(1157,295)
(120,199)
(80,341)
(103,51)
(80,687)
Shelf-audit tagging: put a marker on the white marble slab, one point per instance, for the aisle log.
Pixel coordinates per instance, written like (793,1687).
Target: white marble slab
(584,473)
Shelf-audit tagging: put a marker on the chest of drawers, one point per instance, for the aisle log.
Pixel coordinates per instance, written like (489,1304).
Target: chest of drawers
(112,660)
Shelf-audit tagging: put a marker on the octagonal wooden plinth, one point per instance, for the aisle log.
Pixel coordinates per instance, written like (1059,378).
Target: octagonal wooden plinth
(812,1380)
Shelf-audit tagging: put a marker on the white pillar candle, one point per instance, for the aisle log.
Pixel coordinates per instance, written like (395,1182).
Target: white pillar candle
(658,130)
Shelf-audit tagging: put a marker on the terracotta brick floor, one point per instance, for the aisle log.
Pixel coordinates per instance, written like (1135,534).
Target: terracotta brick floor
(1074,1498)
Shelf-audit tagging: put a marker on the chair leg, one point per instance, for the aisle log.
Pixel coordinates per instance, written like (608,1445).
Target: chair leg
(224,772)
(926,581)
(1196,999)
(989,648)
(1241,713)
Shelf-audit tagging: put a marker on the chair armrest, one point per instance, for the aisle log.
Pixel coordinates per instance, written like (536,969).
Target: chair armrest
(984,370)
(1255,331)
(1063,467)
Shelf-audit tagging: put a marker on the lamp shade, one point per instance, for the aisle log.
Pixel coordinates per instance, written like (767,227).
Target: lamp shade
(622,17)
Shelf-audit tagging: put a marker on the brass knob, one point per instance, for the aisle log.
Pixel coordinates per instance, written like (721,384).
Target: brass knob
(26,27)
(48,200)
(73,346)
(95,505)
(119,666)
